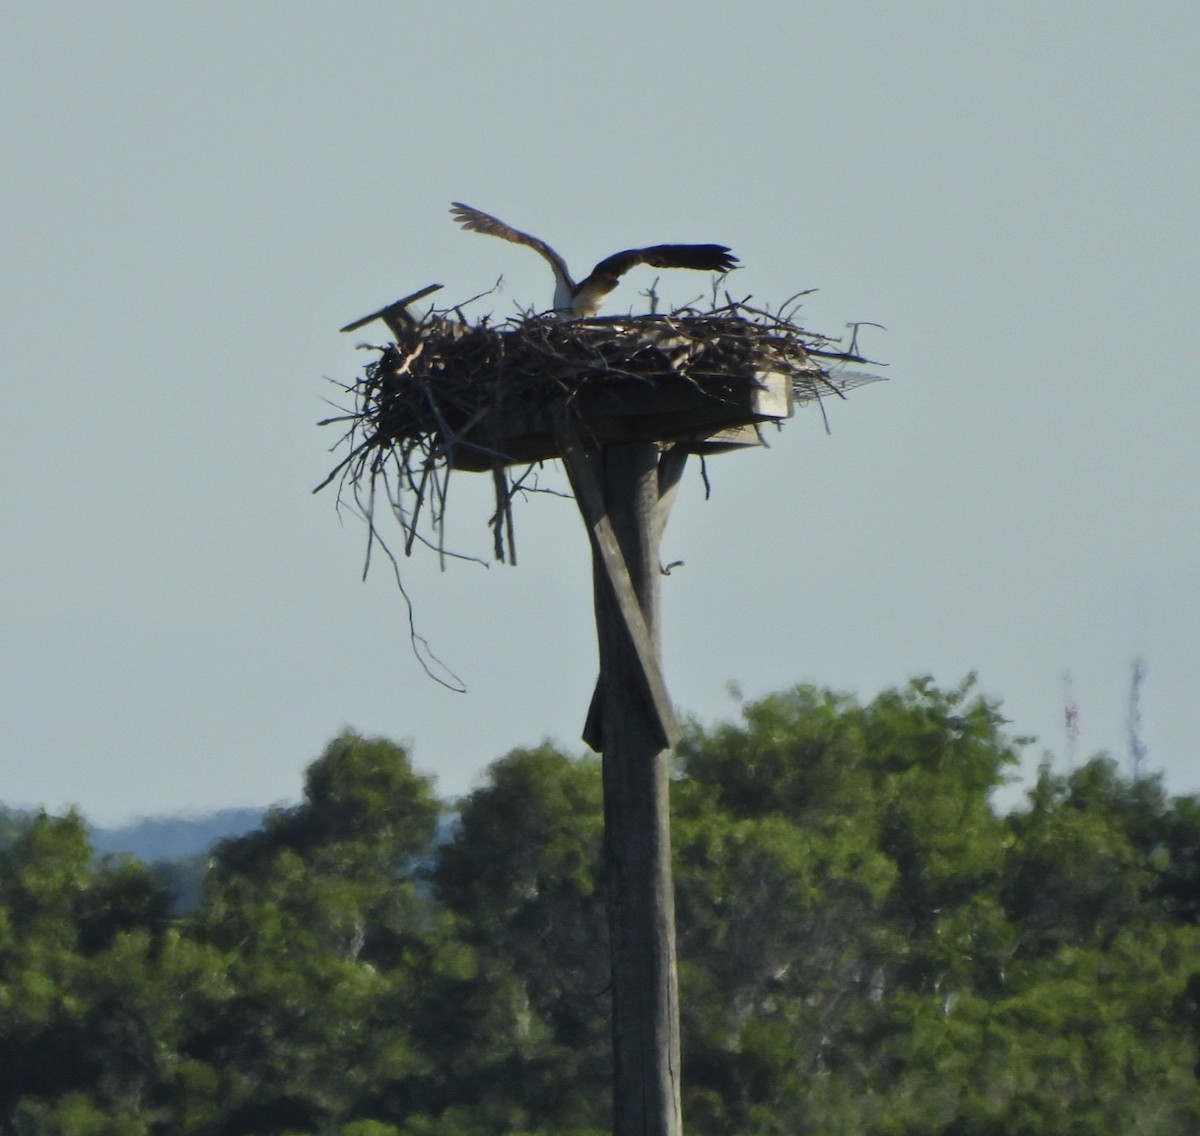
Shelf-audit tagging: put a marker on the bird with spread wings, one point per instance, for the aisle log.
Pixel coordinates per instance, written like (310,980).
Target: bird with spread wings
(586,297)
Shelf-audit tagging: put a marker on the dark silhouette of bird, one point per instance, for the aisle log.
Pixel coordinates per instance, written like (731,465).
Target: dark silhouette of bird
(586,297)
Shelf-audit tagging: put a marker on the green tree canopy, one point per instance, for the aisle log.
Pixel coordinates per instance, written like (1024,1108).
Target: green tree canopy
(865,946)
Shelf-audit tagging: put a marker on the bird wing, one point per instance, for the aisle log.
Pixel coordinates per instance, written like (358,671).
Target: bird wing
(477,221)
(704,258)
(397,310)
(603,278)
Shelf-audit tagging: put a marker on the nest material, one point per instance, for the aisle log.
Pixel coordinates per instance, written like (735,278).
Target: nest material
(451,395)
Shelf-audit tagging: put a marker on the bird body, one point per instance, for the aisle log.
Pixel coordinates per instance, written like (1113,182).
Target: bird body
(585,298)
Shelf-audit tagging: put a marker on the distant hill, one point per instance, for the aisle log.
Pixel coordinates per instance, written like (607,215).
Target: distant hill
(154,839)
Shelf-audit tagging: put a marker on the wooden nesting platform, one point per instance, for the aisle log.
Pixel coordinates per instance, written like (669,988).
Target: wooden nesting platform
(446,395)
(478,397)
(706,414)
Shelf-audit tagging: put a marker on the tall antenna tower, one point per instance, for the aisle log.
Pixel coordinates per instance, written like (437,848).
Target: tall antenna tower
(1070,718)
(1137,747)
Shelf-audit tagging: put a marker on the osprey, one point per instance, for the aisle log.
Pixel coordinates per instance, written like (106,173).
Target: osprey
(585,298)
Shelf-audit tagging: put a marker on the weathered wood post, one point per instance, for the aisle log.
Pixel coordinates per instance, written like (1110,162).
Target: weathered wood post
(624,492)
(622,402)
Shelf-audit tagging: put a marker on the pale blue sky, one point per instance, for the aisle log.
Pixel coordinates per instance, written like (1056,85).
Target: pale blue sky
(196,196)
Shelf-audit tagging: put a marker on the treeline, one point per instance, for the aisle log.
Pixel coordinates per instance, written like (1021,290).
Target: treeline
(865,947)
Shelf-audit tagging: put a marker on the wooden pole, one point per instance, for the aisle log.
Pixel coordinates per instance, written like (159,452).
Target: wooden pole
(635,728)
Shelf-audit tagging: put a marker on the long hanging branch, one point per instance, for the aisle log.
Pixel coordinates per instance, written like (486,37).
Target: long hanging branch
(443,394)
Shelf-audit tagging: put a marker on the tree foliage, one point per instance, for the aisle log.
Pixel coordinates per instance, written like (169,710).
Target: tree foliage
(865,946)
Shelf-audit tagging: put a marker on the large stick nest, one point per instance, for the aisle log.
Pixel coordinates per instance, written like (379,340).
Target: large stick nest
(448,394)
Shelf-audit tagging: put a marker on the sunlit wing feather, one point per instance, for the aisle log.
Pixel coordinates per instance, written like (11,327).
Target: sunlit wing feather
(476,221)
